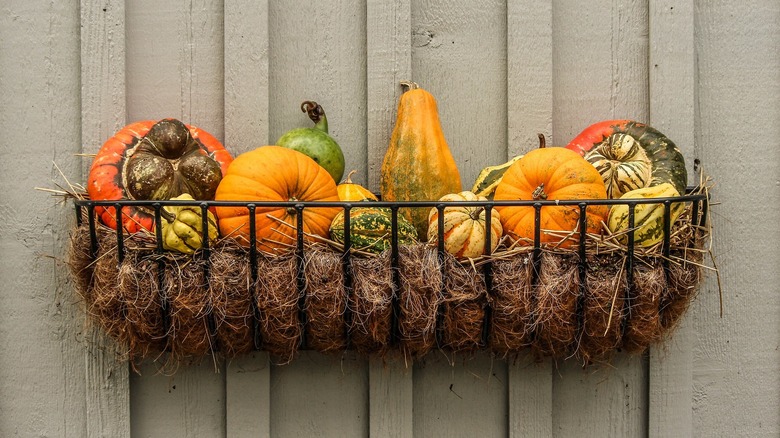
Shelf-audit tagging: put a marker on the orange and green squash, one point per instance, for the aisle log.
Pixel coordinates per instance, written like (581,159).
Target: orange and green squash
(418,164)
(154,160)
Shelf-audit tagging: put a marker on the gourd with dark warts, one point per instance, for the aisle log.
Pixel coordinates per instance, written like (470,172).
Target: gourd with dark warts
(155,161)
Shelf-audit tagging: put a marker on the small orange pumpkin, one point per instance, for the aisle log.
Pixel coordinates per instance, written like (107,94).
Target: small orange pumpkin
(349,191)
(274,173)
(551,174)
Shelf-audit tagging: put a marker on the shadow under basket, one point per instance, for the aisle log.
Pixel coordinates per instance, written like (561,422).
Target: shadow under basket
(586,303)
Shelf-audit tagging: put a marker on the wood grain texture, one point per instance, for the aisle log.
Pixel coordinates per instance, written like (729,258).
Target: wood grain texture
(175,64)
(247,379)
(42,372)
(189,403)
(529,111)
(460,396)
(459,56)
(175,69)
(391,405)
(318,395)
(736,358)
(389,61)
(600,72)
(671,86)
(246,75)
(318,52)
(102,114)
(389,49)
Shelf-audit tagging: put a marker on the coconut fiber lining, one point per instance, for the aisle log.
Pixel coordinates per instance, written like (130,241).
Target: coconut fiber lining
(177,307)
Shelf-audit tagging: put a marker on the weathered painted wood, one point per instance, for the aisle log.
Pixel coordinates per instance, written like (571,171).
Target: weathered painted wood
(175,69)
(391,405)
(319,395)
(671,81)
(600,72)
(188,402)
(317,52)
(458,55)
(736,359)
(388,45)
(42,385)
(465,397)
(529,110)
(247,379)
(102,114)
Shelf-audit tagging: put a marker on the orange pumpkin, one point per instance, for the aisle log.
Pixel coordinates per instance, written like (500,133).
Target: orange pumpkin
(551,174)
(274,173)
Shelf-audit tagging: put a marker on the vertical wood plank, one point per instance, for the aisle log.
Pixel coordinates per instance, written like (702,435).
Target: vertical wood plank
(391,405)
(175,68)
(42,364)
(102,114)
(448,394)
(388,49)
(187,403)
(320,395)
(459,56)
(600,72)
(247,379)
(529,110)
(736,356)
(317,52)
(671,83)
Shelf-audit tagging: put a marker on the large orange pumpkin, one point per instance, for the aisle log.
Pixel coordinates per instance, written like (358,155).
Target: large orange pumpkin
(551,174)
(274,173)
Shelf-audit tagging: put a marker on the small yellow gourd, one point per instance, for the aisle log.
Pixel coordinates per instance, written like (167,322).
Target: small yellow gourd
(182,226)
(349,191)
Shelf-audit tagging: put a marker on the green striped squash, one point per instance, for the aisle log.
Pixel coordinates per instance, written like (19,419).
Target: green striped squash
(488,179)
(648,218)
(371,229)
(631,155)
(623,164)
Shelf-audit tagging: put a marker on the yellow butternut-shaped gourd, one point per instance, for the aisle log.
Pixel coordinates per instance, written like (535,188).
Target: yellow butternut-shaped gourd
(418,164)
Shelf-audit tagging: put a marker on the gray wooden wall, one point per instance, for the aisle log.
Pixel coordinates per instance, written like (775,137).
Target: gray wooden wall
(706,73)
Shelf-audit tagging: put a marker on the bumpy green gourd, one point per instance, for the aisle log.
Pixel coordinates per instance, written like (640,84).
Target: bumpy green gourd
(182,227)
(370,229)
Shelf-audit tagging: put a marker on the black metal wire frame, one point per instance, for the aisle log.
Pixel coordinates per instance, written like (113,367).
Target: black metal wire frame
(699,207)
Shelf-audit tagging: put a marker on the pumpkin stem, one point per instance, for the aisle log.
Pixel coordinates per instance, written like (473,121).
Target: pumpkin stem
(409,85)
(348,180)
(539,193)
(476,213)
(316,113)
(542,141)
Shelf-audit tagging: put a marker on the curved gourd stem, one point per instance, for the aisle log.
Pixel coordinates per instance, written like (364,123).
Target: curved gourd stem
(316,113)
(542,141)
(409,85)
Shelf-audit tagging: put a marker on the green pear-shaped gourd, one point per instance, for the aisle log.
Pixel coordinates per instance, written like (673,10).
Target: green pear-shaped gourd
(315,142)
